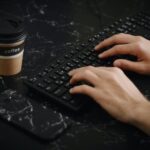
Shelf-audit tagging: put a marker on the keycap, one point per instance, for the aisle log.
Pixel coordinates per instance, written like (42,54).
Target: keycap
(67,97)
(41,74)
(47,69)
(41,85)
(54,76)
(33,80)
(60,72)
(59,82)
(54,65)
(60,91)
(51,87)
(47,80)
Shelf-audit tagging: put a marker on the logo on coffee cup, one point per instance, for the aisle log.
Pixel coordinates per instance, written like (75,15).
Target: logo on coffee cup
(11,51)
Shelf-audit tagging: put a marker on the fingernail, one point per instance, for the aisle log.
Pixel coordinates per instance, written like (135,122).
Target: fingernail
(71,90)
(70,82)
(101,56)
(70,73)
(95,48)
(117,63)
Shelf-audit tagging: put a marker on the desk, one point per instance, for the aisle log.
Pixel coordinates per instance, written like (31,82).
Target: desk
(54,26)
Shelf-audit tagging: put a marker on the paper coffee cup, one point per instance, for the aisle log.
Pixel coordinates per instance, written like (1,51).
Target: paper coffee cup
(12,39)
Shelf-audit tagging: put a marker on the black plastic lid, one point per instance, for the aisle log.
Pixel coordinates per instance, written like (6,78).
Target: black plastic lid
(11,28)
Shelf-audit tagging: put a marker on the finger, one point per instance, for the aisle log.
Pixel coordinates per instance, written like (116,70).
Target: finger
(104,68)
(94,73)
(85,75)
(96,70)
(129,65)
(84,89)
(119,49)
(116,39)
(105,73)
(74,71)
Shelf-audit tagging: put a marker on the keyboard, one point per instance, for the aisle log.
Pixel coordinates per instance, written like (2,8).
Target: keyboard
(53,80)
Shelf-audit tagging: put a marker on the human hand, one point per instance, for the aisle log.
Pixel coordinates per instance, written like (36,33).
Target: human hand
(128,44)
(115,93)
(111,89)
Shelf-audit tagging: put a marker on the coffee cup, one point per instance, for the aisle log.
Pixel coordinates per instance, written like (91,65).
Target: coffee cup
(12,40)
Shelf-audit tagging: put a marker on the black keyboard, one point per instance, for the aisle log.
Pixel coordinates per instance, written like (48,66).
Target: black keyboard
(53,80)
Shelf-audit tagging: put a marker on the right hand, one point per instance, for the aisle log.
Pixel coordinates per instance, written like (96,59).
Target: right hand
(115,93)
(128,44)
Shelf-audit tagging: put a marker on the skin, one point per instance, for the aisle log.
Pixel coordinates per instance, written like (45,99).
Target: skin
(121,98)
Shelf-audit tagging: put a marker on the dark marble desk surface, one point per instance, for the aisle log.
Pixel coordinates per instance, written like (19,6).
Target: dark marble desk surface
(54,26)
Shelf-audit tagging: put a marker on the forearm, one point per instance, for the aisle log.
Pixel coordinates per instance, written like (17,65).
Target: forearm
(142,117)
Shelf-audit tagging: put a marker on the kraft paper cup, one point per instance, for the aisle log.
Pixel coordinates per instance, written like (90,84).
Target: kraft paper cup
(12,40)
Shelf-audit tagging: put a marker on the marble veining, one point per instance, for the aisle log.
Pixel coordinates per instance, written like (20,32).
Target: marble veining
(50,32)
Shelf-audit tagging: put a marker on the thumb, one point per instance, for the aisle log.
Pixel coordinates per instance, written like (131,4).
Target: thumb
(128,65)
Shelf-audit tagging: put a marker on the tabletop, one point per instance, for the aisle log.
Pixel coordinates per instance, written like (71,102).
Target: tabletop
(55,26)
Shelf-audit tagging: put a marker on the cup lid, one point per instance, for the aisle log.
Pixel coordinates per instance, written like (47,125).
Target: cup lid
(11,28)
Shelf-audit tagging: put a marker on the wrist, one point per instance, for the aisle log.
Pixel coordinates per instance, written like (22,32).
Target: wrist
(141,116)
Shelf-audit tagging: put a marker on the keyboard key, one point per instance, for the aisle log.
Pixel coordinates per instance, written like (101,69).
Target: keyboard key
(47,80)
(83,45)
(72,52)
(60,91)
(41,85)
(33,80)
(121,30)
(51,87)
(67,85)
(65,77)
(66,68)
(91,58)
(54,65)
(54,76)
(82,57)
(86,62)
(67,97)
(87,53)
(96,36)
(60,72)
(41,74)
(67,56)
(76,60)
(70,64)
(60,61)
(80,65)
(48,70)
(59,82)
(77,48)
(91,40)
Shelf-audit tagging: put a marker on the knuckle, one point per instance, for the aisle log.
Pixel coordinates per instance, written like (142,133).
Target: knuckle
(139,38)
(115,37)
(143,69)
(116,48)
(113,73)
(75,77)
(139,45)
(87,72)
(89,67)
(116,70)
(121,34)
(84,88)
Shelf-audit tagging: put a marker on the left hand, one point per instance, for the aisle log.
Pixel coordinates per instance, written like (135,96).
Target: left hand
(131,45)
